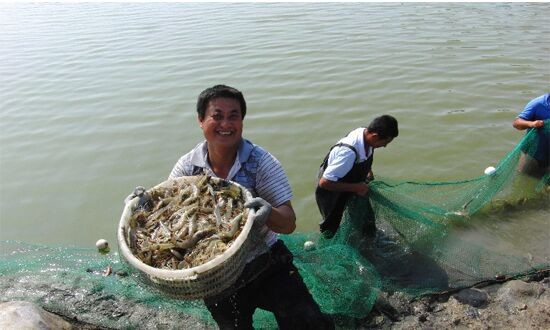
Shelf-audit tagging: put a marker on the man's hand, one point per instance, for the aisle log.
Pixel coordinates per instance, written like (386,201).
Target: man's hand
(538,123)
(361,188)
(144,197)
(138,191)
(262,208)
(522,124)
(370,177)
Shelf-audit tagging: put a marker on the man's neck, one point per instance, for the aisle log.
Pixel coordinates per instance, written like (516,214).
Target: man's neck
(221,160)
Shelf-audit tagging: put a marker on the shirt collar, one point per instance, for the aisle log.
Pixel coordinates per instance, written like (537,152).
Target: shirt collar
(200,159)
(363,154)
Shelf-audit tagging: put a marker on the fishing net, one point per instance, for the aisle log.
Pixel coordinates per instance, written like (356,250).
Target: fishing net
(432,237)
(437,236)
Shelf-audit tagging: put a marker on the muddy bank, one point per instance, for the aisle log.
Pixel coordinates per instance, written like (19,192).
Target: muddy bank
(516,304)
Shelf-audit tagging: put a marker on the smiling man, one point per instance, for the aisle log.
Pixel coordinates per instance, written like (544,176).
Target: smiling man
(270,280)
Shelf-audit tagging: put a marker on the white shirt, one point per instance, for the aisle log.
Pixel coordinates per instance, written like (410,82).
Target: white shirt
(342,158)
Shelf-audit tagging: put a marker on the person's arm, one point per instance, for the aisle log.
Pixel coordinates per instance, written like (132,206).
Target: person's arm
(341,162)
(522,124)
(282,219)
(359,188)
(274,196)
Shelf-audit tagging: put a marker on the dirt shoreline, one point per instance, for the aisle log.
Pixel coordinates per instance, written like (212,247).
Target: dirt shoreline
(522,303)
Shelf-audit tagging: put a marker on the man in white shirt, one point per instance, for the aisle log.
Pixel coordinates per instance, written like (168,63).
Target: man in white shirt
(346,170)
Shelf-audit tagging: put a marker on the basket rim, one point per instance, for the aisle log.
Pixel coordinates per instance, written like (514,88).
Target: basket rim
(181,274)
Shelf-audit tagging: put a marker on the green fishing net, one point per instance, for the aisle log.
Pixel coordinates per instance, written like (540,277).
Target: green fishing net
(431,237)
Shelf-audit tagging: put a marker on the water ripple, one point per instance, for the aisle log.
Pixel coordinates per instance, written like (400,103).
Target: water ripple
(98,98)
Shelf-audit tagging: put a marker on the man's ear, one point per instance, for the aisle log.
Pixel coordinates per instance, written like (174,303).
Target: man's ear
(374,136)
(200,119)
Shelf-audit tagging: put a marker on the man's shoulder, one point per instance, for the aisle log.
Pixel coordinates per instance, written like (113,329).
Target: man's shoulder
(255,151)
(542,100)
(197,151)
(343,151)
(344,148)
(190,163)
(353,141)
(537,108)
(354,137)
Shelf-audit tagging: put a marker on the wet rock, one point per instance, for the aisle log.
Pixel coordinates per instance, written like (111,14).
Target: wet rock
(513,294)
(510,305)
(472,313)
(399,301)
(472,297)
(385,308)
(423,317)
(520,289)
(26,315)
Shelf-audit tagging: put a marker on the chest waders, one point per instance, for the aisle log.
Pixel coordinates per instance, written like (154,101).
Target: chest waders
(332,203)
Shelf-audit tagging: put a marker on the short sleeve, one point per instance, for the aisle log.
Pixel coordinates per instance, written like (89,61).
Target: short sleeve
(271,181)
(340,162)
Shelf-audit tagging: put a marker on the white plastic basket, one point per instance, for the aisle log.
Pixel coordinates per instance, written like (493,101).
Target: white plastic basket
(198,282)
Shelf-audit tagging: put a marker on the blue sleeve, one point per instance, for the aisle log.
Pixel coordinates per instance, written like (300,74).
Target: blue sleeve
(536,109)
(529,112)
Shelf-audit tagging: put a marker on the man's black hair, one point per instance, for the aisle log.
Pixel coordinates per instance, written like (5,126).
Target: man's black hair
(219,91)
(385,126)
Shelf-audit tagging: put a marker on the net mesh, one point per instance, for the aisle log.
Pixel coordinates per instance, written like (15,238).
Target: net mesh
(432,237)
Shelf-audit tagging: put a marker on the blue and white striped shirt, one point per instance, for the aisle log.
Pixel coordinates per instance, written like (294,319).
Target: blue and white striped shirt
(254,168)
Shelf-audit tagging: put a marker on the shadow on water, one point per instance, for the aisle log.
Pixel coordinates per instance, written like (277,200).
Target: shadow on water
(401,268)
(403,262)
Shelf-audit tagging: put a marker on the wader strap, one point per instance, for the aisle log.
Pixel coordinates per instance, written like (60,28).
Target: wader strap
(332,203)
(342,144)
(325,161)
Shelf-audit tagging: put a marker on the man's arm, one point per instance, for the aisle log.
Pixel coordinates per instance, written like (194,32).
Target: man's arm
(359,188)
(522,124)
(282,219)
(273,187)
(342,163)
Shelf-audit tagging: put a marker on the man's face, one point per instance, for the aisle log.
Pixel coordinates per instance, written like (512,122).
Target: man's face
(222,124)
(377,142)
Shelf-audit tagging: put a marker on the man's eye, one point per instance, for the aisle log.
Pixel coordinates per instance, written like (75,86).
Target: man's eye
(217,117)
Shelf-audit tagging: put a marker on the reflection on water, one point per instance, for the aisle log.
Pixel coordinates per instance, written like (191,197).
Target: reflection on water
(504,239)
(402,268)
(96,99)
(518,227)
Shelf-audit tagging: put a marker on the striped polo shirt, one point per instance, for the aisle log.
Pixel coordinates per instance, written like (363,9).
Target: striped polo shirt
(254,168)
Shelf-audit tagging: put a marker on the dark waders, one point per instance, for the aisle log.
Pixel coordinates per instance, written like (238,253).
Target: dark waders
(332,203)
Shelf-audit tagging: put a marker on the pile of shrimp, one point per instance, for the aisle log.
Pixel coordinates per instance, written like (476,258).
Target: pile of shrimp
(186,223)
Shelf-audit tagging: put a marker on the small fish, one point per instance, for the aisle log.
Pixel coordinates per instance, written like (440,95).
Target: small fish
(108,271)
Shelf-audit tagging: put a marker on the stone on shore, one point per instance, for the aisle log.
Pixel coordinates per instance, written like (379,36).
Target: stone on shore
(23,315)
